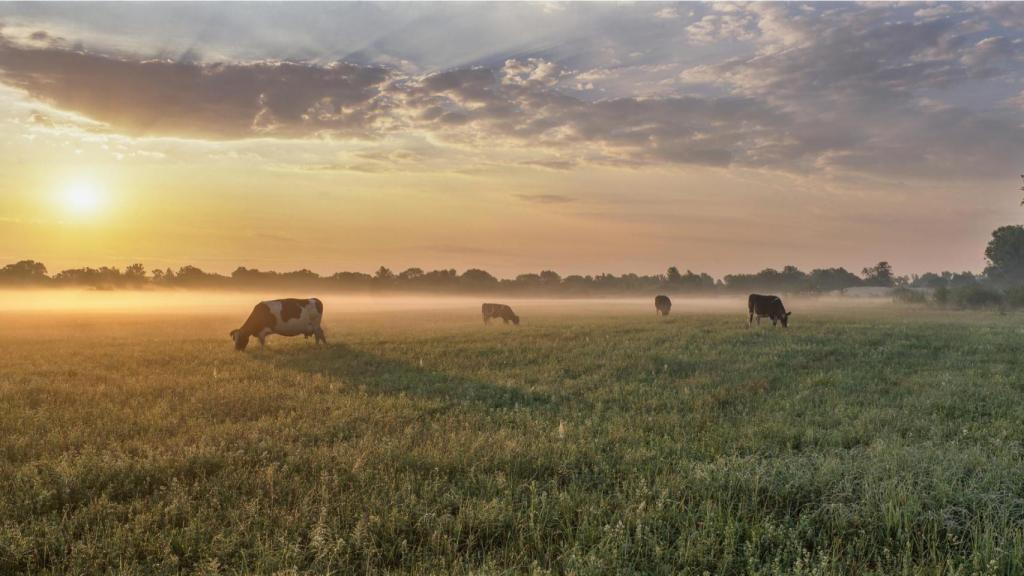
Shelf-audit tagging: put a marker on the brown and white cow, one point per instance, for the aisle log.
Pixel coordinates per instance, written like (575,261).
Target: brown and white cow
(502,311)
(767,307)
(286,317)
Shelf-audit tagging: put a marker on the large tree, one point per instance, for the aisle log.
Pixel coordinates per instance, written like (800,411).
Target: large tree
(1005,255)
(879,275)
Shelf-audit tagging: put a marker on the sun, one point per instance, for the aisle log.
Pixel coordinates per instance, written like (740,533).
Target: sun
(82,198)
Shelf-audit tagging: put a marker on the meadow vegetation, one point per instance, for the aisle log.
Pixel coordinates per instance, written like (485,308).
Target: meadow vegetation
(594,438)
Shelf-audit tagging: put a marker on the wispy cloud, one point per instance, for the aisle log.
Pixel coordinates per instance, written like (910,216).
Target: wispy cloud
(545,198)
(915,91)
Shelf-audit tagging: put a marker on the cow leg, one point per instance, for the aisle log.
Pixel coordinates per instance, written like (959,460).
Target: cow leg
(263,341)
(486,320)
(320,336)
(758,320)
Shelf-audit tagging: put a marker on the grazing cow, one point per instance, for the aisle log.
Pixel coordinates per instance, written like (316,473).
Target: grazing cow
(767,307)
(498,311)
(287,317)
(662,304)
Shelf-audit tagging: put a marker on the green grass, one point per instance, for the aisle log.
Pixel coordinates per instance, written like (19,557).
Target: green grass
(860,441)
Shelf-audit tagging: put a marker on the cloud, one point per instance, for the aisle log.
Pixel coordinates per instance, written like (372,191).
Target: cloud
(41,119)
(552,164)
(1017,101)
(219,101)
(808,89)
(719,25)
(934,11)
(667,13)
(864,90)
(545,198)
(517,103)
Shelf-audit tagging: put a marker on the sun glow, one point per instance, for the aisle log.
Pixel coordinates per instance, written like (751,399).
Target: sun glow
(82,199)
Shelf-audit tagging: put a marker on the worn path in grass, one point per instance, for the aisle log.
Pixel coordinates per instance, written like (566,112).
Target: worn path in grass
(591,439)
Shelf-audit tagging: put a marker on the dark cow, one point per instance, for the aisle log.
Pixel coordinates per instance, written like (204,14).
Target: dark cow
(287,317)
(767,307)
(662,304)
(502,311)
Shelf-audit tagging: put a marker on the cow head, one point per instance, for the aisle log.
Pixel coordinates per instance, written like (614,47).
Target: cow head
(241,340)
(784,318)
(515,320)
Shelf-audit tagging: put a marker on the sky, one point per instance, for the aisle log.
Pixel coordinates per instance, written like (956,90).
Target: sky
(513,137)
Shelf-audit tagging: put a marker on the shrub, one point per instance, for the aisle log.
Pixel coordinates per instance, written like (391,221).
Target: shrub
(977,296)
(907,295)
(1015,297)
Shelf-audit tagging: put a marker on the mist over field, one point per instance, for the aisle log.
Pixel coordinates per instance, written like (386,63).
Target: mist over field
(336,306)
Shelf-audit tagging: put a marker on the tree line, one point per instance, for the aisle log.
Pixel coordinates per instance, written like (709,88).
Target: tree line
(1005,256)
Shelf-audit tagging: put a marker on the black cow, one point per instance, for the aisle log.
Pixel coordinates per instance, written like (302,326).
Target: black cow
(662,304)
(502,311)
(767,307)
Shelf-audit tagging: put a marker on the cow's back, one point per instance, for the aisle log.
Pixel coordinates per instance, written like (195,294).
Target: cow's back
(495,309)
(295,316)
(764,305)
(662,303)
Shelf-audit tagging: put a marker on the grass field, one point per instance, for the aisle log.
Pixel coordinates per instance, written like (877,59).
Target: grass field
(593,439)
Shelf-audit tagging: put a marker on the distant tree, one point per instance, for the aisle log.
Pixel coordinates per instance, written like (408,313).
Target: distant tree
(411,274)
(440,280)
(105,277)
(76,276)
(577,285)
(792,279)
(829,279)
(476,279)
(879,275)
(189,274)
(691,282)
(302,277)
(383,273)
(527,281)
(550,279)
(135,275)
(930,280)
(351,280)
(135,271)
(962,279)
(672,275)
(24,272)
(193,276)
(1005,255)
(766,280)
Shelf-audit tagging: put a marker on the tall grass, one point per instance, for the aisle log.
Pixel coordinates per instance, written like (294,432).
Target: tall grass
(863,442)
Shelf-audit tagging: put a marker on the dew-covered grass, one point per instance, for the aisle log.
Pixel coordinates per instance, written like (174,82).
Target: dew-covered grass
(592,439)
